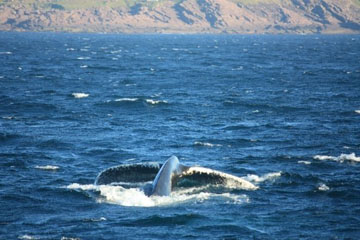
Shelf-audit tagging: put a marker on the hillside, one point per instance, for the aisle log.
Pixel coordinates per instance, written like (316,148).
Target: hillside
(182,16)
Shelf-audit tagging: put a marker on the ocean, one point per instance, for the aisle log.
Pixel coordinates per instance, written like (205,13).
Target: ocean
(281,111)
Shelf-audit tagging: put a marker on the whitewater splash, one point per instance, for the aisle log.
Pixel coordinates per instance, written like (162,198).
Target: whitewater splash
(47,167)
(206,144)
(148,101)
(154,102)
(126,99)
(80,95)
(342,158)
(266,177)
(134,196)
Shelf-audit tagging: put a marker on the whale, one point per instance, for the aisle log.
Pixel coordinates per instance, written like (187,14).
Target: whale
(157,179)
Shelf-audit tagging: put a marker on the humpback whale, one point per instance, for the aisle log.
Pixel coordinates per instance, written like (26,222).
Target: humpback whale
(160,179)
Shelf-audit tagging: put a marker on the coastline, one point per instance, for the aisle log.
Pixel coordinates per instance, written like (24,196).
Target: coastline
(188,17)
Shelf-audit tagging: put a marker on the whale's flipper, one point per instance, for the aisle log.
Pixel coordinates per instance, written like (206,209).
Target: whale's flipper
(164,180)
(129,173)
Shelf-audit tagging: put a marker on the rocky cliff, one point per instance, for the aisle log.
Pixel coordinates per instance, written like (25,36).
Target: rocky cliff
(182,16)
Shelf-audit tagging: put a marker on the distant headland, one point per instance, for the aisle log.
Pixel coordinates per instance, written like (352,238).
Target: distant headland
(182,16)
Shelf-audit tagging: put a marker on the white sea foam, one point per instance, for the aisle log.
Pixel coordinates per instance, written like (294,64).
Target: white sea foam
(206,144)
(98,219)
(8,117)
(324,157)
(357,111)
(27,237)
(47,167)
(304,162)
(126,100)
(5,53)
(83,66)
(84,187)
(266,177)
(84,58)
(80,95)
(135,197)
(69,238)
(156,95)
(342,158)
(323,187)
(153,102)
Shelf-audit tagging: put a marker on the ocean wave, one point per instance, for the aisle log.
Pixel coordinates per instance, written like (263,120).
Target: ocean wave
(69,238)
(9,136)
(8,117)
(357,111)
(206,144)
(342,158)
(135,197)
(27,237)
(126,100)
(138,100)
(83,58)
(304,162)
(266,177)
(80,95)
(47,167)
(95,219)
(323,187)
(154,102)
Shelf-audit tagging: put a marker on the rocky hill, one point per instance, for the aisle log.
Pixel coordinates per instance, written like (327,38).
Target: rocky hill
(182,16)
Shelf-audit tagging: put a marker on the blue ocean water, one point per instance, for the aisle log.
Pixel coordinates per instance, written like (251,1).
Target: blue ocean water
(280,111)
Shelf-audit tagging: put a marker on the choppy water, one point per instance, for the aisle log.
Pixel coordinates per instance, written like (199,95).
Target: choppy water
(281,111)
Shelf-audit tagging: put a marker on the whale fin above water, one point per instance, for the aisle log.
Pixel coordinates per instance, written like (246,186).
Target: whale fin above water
(130,173)
(167,177)
(164,180)
(203,176)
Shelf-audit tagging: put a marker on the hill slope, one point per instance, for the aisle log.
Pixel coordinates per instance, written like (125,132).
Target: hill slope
(182,16)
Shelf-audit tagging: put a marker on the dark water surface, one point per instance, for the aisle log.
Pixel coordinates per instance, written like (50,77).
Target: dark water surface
(281,111)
